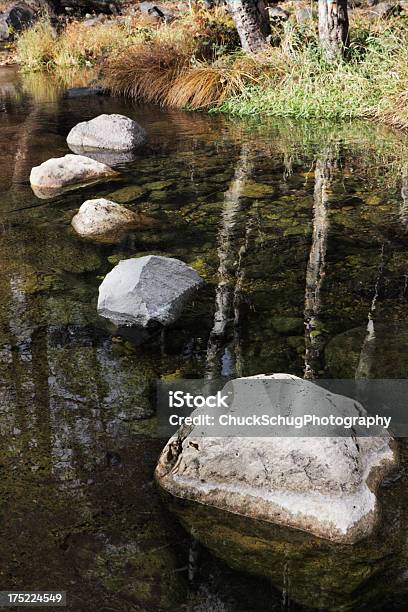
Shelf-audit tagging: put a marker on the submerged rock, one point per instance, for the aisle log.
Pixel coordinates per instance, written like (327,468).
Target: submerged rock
(127,194)
(102,217)
(114,132)
(324,486)
(356,353)
(145,290)
(251,189)
(85,92)
(59,174)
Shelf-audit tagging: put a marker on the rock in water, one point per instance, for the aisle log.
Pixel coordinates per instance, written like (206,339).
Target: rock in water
(114,132)
(102,217)
(144,290)
(60,174)
(324,486)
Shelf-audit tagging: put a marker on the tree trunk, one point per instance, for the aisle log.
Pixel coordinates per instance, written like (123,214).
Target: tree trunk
(252,22)
(333,27)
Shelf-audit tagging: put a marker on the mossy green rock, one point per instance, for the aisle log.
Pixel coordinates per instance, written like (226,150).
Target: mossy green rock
(126,194)
(158,185)
(32,281)
(251,189)
(386,353)
(339,577)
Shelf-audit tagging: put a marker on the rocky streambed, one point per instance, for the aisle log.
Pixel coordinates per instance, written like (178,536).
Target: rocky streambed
(299,233)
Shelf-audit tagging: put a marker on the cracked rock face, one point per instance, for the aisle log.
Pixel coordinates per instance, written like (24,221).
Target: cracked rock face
(102,217)
(325,486)
(60,174)
(113,132)
(145,290)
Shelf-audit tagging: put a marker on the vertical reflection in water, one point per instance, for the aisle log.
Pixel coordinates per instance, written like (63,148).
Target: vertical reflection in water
(237,300)
(366,360)
(20,332)
(230,258)
(325,167)
(25,139)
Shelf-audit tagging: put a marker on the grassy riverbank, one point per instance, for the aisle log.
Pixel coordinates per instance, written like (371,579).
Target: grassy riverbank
(196,62)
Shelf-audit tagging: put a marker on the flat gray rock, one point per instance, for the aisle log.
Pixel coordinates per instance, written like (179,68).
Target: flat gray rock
(102,217)
(59,174)
(145,290)
(113,132)
(325,486)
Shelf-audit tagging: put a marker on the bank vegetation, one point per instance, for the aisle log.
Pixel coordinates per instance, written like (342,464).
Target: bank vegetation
(197,62)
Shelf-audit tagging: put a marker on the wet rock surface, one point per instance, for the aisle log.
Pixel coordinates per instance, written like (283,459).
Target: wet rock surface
(56,175)
(101,217)
(315,484)
(147,290)
(114,132)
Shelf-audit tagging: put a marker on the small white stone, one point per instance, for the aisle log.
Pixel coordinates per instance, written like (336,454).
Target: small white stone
(101,216)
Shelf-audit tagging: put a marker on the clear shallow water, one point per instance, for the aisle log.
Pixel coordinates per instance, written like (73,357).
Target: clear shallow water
(288,223)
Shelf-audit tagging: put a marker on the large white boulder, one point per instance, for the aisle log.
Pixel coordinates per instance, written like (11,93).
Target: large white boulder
(114,132)
(101,217)
(147,289)
(325,486)
(59,174)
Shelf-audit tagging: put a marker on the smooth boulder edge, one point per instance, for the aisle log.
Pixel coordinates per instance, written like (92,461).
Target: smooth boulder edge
(100,216)
(112,132)
(59,174)
(324,486)
(146,290)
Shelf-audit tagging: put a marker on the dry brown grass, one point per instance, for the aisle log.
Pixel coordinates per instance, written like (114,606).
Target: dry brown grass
(165,75)
(189,63)
(396,114)
(145,72)
(206,85)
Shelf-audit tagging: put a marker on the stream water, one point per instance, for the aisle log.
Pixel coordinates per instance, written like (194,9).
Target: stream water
(301,232)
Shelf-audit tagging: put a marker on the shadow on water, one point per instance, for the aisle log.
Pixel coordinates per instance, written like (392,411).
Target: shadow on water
(301,234)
